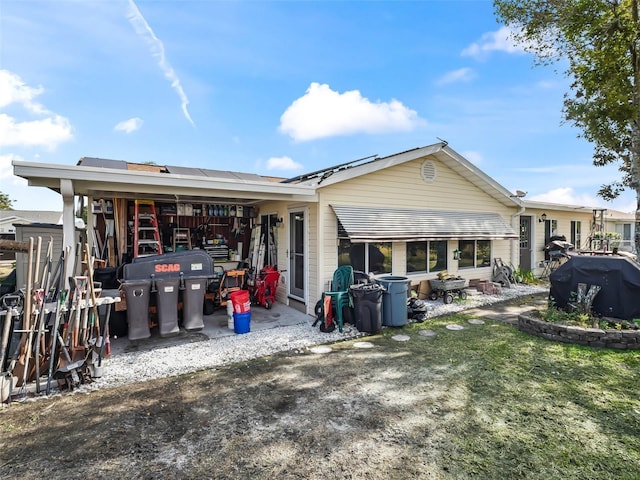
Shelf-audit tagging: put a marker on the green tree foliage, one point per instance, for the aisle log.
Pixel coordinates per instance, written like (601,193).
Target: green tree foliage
(5,202)
(599,42)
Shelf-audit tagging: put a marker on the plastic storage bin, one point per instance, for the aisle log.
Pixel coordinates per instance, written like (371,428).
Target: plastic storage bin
(137,294)
(394,300)
(367,305)
(242,322)
(193,303)
(168,290)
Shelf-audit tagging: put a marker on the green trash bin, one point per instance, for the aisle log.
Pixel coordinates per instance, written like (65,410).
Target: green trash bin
(394,300)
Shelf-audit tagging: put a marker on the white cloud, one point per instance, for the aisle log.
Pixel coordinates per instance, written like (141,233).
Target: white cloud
(568,196)
(282,163)
(498,41)
(14,90)
(129,126)
(47,132)
(461,75)
(322,112)
(143,29)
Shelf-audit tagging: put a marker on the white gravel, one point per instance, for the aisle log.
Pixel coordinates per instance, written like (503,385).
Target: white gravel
(134,367)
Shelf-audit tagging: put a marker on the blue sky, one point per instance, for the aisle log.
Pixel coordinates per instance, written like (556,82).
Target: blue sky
(281,88)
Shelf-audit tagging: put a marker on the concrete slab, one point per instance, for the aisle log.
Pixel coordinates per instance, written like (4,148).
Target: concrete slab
(215,326)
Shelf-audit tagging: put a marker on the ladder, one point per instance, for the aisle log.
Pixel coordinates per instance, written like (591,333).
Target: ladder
(146,235)
(181,239)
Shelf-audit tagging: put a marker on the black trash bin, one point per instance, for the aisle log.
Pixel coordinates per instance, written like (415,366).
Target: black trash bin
(367,305)
(137,294)
(167,295)
(193,302)
(394,300)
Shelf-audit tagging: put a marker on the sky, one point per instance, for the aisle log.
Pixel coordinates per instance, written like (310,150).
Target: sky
(281,88)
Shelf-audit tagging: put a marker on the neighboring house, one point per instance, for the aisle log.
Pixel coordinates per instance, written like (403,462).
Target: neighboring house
(413,214)
(10,218)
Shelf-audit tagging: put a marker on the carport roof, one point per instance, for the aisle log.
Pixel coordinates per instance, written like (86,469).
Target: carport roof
(104,178)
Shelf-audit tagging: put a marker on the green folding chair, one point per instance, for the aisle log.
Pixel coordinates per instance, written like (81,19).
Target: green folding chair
(340,298)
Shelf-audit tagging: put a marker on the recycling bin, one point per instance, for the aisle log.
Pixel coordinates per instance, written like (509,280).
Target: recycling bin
(137,294)
(193,303)
(167,304)
(394,300)
(367,305)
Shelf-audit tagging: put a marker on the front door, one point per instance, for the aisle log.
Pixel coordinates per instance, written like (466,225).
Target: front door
(297,255)
(525,243)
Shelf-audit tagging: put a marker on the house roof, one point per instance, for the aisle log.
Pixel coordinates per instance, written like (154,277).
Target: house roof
(29,216)
(609,214)
(368,224)
(440,151)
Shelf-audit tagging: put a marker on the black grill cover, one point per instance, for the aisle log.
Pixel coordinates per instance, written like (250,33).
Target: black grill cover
(619,278)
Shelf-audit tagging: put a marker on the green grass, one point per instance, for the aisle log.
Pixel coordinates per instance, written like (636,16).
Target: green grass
(534,408)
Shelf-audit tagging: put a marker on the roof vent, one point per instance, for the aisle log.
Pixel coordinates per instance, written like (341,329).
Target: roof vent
(428,171)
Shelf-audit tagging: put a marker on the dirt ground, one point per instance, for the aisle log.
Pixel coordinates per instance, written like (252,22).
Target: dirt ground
(361,413)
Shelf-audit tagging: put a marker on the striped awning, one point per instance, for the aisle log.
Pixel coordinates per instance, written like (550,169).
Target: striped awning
(382,224)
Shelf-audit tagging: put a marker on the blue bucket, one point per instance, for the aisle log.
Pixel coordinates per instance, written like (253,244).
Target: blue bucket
(241,322)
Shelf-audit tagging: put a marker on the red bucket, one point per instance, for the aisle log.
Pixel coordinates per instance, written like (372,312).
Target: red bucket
(241,301)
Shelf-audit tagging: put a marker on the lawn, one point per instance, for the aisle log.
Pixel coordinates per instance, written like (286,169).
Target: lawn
(485,402)
(532,408)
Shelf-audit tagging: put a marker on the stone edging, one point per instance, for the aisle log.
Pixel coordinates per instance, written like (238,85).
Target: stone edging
(593,337)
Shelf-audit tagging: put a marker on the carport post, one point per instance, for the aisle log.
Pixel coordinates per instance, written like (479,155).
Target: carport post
(68,225)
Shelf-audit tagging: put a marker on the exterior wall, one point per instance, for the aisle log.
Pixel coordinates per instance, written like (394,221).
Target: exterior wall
(281,210)
(402,186)
(563,219)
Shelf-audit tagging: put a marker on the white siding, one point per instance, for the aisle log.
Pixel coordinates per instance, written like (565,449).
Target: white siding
(403,186)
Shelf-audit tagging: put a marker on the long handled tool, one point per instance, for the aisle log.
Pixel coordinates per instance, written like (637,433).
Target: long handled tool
(43,313)
(61,303)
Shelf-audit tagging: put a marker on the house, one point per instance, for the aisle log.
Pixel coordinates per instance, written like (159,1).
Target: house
(10,218)
(414,214)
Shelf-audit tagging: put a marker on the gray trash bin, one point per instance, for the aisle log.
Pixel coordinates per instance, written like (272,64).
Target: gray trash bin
(167,292)
(367,306)
(137,294)
(193,302)
(394,300)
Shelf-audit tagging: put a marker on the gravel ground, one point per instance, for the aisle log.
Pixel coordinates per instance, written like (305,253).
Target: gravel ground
(135,367)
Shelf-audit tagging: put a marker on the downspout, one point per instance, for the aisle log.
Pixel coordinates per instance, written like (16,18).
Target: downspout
(515,244)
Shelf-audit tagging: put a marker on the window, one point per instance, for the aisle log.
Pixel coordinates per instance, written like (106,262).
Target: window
(426,256)
(474,253)
(366,257)
(554,228)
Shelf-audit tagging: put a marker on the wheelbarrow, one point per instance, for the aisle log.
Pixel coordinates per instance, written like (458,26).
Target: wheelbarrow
(446,289)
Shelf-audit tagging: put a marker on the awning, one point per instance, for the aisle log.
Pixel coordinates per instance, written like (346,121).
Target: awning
(381,224)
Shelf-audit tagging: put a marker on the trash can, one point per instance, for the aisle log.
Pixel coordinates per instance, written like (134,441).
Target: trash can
(367,305)
(167,304)
(193,303)
(136,294)
(394,300)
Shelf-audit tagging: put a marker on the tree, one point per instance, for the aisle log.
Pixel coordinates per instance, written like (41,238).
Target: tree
(5,202)
(600,42)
